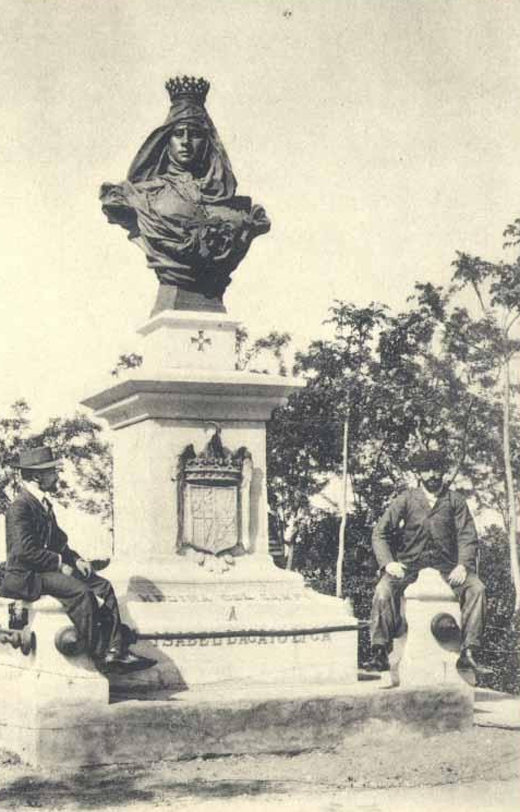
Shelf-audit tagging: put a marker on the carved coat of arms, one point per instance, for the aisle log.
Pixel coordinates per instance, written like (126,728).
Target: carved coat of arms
(214,499)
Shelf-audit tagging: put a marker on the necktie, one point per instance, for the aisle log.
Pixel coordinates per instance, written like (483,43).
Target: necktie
(47,506)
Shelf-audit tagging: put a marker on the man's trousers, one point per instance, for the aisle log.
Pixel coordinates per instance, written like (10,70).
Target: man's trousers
(386,621)
(79,597)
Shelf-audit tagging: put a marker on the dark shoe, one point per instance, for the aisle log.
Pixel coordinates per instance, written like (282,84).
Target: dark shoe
(379,661)
(116,661)
(467,662)
(98,564)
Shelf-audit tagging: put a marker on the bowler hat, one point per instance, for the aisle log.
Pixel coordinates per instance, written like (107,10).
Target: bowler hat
(37,459)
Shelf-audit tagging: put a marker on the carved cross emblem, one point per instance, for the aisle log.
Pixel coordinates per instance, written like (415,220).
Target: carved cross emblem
(201,341)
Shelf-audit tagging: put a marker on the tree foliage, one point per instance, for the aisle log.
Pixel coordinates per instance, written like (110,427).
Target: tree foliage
(487,346)
(86,478)
(14,430)
(273,345)
(428,377)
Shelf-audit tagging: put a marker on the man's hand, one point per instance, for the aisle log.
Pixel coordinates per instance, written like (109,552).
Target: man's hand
(458,575)
(396,569)
(66,569)
(84,567)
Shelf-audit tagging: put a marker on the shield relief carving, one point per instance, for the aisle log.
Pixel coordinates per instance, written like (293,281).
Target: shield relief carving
(214,502)
(211,521)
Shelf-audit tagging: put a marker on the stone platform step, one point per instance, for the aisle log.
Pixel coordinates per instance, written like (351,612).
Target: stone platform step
(491,708)
(497,709)
(215,722)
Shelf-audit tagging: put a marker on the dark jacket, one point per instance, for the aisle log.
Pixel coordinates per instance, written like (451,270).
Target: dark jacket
(34,544)
(411,532)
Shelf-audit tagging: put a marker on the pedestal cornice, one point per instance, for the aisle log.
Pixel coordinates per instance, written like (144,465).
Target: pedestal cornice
(192,395)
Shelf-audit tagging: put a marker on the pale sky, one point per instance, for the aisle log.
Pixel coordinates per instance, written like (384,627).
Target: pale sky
(380,135)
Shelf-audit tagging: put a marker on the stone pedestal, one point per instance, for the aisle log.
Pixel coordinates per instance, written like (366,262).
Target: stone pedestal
(267,664)
(424,659)
(44,689)
(182,339)
(169,577)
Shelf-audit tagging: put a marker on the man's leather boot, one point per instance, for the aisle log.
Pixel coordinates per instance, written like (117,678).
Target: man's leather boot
(125,662)
(467,662)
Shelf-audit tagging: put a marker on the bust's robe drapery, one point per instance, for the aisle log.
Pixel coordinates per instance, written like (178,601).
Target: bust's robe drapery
(192,227)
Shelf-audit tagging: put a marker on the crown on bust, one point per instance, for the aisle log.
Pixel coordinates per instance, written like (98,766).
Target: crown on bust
(187,86)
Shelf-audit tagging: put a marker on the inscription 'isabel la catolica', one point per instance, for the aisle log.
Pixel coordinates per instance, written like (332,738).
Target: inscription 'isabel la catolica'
(200,642)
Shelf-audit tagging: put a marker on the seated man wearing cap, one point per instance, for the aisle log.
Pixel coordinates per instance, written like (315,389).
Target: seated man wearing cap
(427,526)
(40,562)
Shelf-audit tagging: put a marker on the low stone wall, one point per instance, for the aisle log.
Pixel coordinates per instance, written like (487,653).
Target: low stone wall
(204,723)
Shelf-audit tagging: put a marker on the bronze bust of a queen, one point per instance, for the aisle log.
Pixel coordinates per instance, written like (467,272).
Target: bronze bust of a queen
(178,202)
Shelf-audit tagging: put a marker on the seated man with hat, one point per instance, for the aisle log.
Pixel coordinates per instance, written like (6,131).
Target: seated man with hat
(427,526)
(40,562)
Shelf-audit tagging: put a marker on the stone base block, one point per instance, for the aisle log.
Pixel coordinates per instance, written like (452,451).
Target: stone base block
(240,637)
(205,723)
(42,690)
(45,675)
(307,658)
(425,660)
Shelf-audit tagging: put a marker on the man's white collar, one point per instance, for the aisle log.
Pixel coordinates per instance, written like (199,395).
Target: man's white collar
(34,490)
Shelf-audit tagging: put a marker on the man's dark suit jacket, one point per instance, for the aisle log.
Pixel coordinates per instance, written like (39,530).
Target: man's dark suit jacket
(34,544)
(410,528)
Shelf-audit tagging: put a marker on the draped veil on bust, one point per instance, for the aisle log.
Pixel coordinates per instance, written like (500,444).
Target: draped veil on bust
(189,222)
(215,175)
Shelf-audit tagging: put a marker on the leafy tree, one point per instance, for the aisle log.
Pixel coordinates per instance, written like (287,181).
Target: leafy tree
(86,478)
(487,346)
(501,642)
(380,376)
(354,330)
(305,439)
(402,382)
(14,430)
(130,360)
(247,351)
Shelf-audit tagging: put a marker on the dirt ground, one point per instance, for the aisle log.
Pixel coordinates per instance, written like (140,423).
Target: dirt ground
(382,759)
